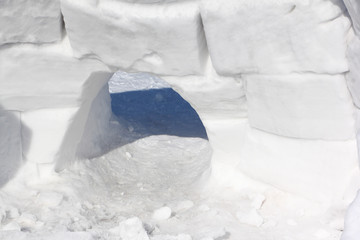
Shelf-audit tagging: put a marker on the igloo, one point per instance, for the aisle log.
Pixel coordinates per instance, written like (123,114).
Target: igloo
(179,119)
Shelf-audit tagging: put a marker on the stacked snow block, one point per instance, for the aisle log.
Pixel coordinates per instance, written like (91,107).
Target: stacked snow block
(292,56)
(53,94)
(274,40)
(164,38)
(33,21)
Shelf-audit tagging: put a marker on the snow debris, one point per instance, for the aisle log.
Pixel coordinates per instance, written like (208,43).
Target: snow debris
(251,217)
(12,226)
(170,237)
(132,229)
(50,199)
(162,213)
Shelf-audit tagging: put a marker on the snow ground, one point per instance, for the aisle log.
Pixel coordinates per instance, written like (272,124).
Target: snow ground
(99,198)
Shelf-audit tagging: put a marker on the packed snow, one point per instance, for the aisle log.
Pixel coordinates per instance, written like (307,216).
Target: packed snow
(179,120)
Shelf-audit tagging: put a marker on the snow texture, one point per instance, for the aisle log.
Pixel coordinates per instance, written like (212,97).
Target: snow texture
(353,7)
(352,220)
(10,145)
(306,106)
(275,36)
(32,78)
(316,169)
(353,77)
(35,21)
(165,38)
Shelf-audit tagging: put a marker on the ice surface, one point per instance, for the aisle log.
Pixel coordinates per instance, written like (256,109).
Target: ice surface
(36,21)
(353,77)
(307,106)
(162,38)
(353,7)
(275,36)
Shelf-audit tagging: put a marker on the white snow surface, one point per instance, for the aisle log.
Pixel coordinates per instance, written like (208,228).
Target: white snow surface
(305,106)
(35,21)
(284,36)
(165,38)
(244,183)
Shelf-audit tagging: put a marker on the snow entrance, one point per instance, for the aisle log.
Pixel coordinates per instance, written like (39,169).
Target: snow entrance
(140,132)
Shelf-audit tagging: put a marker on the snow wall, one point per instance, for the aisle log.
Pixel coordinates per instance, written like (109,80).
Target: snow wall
(287,66)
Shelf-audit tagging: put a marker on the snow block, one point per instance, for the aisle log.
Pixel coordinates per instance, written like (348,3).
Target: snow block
(212,96)
(353,7)
(47,130)
(164,38)
(285,36)
(51,90)
(353,77)
(10,145)
(316,169)
(39,78)
(307,106)
(34,21)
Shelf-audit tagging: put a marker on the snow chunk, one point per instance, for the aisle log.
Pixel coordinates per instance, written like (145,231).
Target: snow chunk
(308,106)
(164,38)
(30,21)
(12,226)
(265,36)
(353,7)
(161,214)
(251,217)
(132,229)
(50,199)
(353,77)
(169,237)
